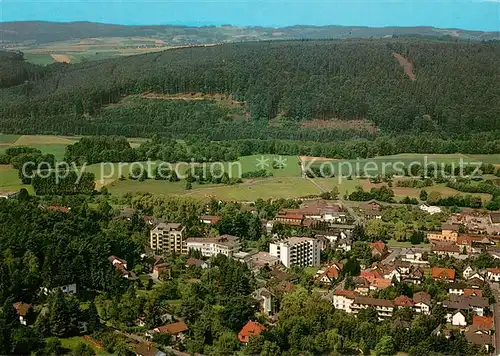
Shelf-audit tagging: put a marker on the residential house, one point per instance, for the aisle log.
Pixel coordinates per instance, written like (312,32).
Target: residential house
(159,269)
(117,261)
(430,209)
(252,328)
(422,303)
(415,276)
(494,219)
(191,261)
(266,301)
(476,283)
(468,272)
(212,246)
(404,267)
(146,349)
(480,336)
(391,273)
(442,249)
(463,302)
(380,284)
(403,301)
(414,256)
(344,244)
(361,286)
(378,249)
(493,274)
(343,299)
(22,310)
(66,289)
(448,232)
(443,274)
(457,288)
(457,318)
(372,274)
(485,322)
(168,238)
(210,219)
(329,274)
(383,307)
(473,292)
(290,217)
(176,330)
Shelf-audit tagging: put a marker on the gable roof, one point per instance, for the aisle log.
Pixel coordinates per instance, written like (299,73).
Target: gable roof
(443,273)
(381,283)
(451,227)
(345,293)
(495,218)
(403,301)
(465,302)
(172,329)
(378,245)
(22,308)
(113,258)
(473,292)
(483,321)
(422,297)
(373,301)
(191,261)
(251,328)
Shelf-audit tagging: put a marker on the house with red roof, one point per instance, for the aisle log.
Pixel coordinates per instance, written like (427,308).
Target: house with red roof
(403,301)
(380,283)
(371,275)
(485,322)
(329,274)
(22,310)
(443,274)
(378,249)
(252,328)
(210,219)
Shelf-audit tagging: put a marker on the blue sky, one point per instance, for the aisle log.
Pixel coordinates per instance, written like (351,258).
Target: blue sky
(466,14)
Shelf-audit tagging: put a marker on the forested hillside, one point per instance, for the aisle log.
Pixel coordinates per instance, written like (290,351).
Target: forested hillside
(281,85)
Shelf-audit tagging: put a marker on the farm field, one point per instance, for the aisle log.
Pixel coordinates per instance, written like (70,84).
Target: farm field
(76,51)
(250,190)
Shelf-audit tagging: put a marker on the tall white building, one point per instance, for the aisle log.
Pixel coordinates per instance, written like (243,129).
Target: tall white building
(168,238)
(225,244)
(297,251)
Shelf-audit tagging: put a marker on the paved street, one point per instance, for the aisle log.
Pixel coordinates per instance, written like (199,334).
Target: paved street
(496,316)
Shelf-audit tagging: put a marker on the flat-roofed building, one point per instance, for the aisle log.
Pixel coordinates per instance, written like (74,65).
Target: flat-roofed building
(168,238)
(227,245)
(297,251)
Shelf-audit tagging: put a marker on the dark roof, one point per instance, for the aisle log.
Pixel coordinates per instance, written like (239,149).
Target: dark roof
(478,336)
(451,227)
(422,297)
(373,301)
(495,218)
(465,302)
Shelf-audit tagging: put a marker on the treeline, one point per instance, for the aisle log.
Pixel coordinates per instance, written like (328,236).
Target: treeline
(383,193)
(453,95)
(63,183)
(197,149)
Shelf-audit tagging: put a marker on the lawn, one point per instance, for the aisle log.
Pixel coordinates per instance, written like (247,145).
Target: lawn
(8,139)
(42,59)
(71,343)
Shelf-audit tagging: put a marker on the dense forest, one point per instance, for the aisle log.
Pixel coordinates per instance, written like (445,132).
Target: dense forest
(283,85)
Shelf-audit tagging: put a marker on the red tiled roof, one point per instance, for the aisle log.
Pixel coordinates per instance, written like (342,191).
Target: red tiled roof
(378,245)
(403,301)
(252,328)
(483,321)
(370,276)
(211,218)
(381,283)
(62,209)
(470,291)
(345,293)
(172,329)
(493,270)
(21,308)
(443,273)
(193,262)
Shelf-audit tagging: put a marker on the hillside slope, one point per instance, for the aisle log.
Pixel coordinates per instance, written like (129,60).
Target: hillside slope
(455,92)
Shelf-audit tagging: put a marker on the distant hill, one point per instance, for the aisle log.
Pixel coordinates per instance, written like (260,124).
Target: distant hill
(46,32)
(282,89)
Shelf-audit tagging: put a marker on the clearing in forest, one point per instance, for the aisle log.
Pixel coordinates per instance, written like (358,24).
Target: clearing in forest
(406,64)
(64,58)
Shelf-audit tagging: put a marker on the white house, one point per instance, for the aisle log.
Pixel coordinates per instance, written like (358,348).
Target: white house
(493,274)
(468,272)
(457,319)
(422,303)
(343,299)
(66,289)
(430,209)
(393,273)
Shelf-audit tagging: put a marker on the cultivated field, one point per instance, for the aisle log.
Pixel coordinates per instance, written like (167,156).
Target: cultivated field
(286,182)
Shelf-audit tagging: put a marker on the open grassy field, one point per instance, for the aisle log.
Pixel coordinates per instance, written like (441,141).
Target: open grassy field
(250,190)
(89,49)
(71,343)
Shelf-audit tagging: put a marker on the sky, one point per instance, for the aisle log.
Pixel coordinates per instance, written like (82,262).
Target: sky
(465,14)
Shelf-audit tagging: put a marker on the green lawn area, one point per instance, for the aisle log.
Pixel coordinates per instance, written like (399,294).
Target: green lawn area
(9,138)
(291,167)
(72,342)
(39,58)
